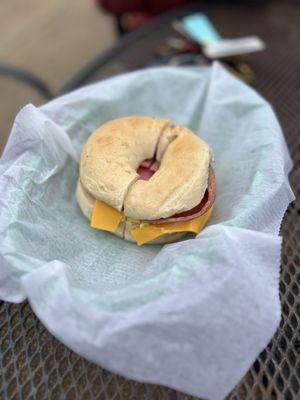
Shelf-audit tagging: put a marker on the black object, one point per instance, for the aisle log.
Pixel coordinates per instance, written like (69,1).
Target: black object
(26,77)
(124,44)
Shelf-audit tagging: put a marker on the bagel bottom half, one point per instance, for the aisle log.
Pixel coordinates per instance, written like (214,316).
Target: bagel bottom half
(125,228)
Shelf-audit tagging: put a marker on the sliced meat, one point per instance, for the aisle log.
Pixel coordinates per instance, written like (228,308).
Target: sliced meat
(150,166)
(154,166)
(200,209)
(145,173)
(147,163)
(147,169)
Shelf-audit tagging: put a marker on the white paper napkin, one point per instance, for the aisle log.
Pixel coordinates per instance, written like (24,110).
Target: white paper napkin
(192,315)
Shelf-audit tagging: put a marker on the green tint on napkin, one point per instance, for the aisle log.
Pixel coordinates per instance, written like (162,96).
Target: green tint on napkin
(181,314)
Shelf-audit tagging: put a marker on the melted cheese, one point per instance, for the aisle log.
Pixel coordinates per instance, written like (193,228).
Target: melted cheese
(105,217)
(144,234)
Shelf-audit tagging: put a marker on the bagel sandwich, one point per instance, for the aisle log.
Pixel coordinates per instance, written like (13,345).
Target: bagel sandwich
(146,180)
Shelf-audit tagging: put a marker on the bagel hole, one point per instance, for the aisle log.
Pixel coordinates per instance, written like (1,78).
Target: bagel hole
(148,168)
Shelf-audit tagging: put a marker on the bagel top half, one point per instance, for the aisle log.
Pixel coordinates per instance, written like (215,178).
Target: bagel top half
(113,153)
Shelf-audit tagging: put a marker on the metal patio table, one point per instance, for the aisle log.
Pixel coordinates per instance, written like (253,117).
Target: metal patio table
(35,365)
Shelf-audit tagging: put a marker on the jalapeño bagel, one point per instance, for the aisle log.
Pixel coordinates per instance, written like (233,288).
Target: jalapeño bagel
(145,180)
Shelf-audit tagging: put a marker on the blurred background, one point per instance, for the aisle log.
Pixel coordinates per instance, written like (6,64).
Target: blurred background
(53,39)
(50,47)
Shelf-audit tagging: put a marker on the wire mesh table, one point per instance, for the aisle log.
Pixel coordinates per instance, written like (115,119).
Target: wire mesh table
(35,365)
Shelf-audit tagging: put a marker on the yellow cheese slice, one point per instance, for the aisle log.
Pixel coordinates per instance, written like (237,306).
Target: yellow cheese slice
(108,218)
(105,217)
(144,234)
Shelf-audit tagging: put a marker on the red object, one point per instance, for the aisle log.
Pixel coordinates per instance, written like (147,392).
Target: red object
(133,14)
(119,7)
(200,209)
(149,167)
(146,163)
(154,166)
